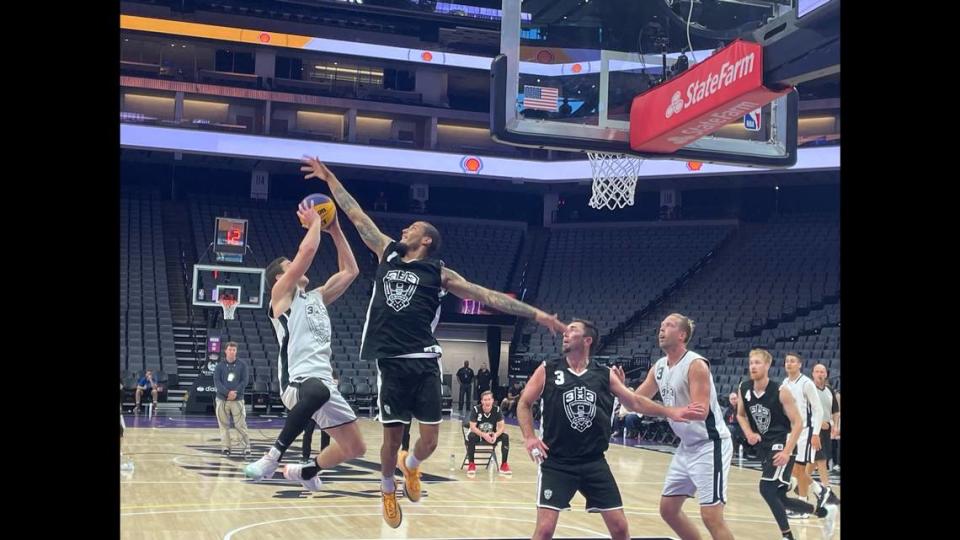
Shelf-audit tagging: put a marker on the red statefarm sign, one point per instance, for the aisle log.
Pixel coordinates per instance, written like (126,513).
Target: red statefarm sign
(713,93)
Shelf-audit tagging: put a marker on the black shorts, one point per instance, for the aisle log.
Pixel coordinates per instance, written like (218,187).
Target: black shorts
(556,485)
(409,388)
(770,471)
(826,448)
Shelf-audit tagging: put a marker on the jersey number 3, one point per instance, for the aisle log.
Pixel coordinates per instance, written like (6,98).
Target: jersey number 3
(559,379)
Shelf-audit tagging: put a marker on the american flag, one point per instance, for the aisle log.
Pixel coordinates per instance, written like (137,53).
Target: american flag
(540,97)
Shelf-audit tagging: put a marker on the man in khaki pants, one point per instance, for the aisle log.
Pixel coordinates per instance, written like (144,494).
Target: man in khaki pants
(230,378)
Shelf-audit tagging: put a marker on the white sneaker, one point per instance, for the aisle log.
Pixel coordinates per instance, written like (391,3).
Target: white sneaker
(294,471)
(829,521)
(261,468)
(797,515)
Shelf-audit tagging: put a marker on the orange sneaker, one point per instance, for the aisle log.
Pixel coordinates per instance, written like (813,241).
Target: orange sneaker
(411,481)
(391,509)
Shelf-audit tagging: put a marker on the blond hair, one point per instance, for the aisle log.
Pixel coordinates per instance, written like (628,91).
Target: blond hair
(686,325)
(762,353)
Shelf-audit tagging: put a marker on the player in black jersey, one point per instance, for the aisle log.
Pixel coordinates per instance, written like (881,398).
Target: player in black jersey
(577,408)
(768,414)
(486,424)
(398,334)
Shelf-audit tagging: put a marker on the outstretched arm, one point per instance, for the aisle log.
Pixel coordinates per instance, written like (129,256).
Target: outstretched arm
(281,292)
(371,235)
(348,270)
(459,286)
(642,404)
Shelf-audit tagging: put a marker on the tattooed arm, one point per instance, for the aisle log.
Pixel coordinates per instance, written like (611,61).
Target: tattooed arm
(369,233)
(459,286)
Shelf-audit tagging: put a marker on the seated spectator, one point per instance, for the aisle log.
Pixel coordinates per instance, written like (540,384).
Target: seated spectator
(486,424)
(147,383)
(625,418)
(509,404)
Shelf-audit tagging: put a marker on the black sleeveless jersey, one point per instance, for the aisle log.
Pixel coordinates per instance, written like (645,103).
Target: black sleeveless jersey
(404,309)
(576,410)
(765,413)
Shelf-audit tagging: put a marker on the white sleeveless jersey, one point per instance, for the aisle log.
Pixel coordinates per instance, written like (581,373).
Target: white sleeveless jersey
(674,388)
(304,333)
(799,390)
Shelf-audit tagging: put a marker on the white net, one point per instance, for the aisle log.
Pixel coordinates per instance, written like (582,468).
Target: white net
(614,179)
(229,309)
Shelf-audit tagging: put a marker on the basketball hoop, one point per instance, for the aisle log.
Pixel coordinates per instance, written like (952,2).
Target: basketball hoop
(614,179)
(229,306)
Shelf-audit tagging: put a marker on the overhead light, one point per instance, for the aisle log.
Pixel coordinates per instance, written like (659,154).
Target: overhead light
(776,188)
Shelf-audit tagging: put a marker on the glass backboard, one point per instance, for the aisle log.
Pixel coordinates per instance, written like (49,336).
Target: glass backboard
(568,73)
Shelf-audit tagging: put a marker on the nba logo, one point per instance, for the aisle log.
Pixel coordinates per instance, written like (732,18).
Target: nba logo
(752,122)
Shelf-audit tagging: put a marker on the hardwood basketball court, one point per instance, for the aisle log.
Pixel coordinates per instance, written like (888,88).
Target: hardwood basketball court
(181,487)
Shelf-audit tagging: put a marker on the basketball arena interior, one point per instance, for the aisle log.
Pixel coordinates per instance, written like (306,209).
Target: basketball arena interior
(599,160)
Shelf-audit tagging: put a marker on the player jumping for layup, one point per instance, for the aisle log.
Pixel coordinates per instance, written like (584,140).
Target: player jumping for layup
(303,329)
(398,334)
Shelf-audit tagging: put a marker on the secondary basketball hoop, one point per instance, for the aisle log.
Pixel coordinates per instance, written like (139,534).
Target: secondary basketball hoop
(229,306)
(614,179)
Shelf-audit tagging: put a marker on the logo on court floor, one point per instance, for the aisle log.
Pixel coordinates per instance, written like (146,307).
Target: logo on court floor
(580,405)
(399,286)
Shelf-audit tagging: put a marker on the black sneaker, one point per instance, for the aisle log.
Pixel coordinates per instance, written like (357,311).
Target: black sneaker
(824,497)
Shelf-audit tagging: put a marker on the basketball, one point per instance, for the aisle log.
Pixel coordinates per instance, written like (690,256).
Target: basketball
(324,206)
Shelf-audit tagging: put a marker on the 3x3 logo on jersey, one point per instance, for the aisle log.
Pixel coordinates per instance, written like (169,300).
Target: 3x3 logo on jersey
(580,405)
(399,286)
(762,416)
(317,319)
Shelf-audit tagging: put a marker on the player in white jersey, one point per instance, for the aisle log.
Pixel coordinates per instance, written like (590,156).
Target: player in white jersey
(811,412)
(829,428)
(303,329)
(702,463)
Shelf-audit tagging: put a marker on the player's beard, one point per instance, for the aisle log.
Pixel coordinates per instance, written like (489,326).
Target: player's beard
(402,248)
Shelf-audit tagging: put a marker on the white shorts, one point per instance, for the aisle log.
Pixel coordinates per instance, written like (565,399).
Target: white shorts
(335,412)
(700,471)
(805,451)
